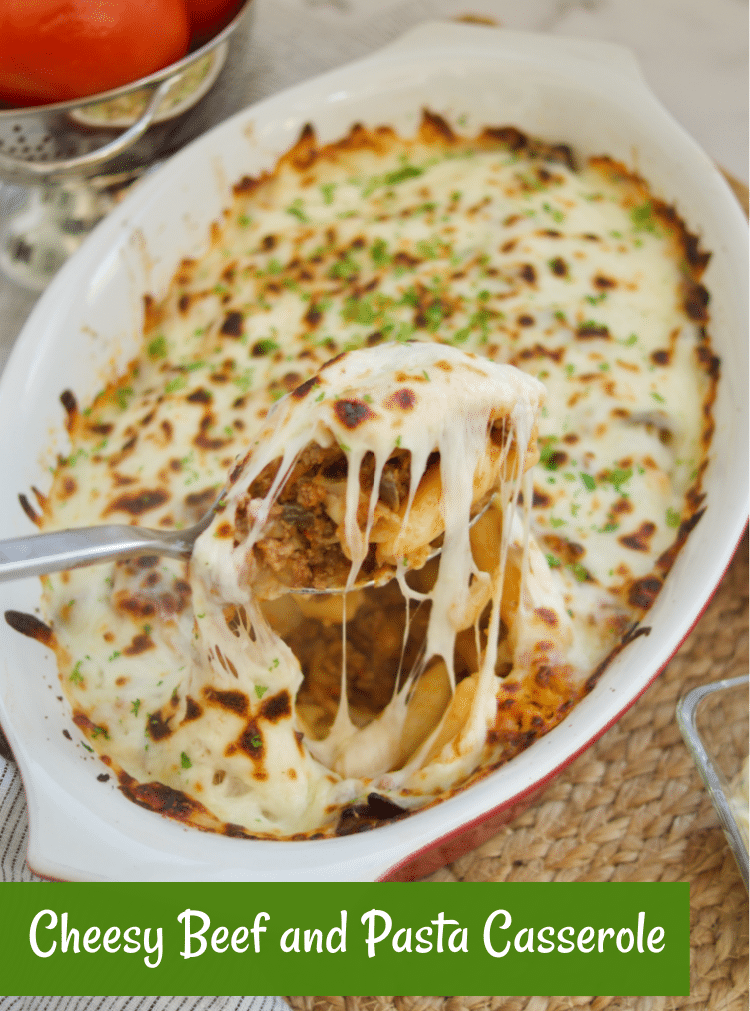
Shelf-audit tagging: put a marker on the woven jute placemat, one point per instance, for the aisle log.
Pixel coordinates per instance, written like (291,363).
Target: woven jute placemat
(631,808)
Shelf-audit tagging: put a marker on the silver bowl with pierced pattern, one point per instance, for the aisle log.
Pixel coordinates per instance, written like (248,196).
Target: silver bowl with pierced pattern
(74,158)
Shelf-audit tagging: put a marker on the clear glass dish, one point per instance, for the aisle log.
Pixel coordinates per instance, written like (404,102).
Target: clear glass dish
(714,720)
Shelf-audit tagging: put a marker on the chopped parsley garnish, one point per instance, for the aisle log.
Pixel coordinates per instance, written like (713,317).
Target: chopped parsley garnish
(673,518)
(554,563)
(643,219)
(328,190)
(260,690)
(178,383)
(75,675)
(244,380)
(135,706)
(556,214)
(265,346)
(658,398)
(588,480)
(185,761)
(345,268)
(157,348)
(619,477)
(401,174)
(379,253)
(296,209)
(122,396)
(579,571)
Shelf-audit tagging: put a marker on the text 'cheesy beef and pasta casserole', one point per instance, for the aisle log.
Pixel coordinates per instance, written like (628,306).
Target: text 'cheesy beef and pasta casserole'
(461,388)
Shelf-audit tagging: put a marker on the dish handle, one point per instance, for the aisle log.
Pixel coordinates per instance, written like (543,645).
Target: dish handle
(607,56)
(20,172)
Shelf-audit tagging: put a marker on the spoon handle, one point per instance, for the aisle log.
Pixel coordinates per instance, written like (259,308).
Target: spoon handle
(38,554)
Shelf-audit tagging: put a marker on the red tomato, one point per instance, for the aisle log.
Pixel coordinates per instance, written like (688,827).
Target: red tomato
(207,17)
(55,50)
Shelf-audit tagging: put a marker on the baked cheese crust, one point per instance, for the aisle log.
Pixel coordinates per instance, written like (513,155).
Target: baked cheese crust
(498,246)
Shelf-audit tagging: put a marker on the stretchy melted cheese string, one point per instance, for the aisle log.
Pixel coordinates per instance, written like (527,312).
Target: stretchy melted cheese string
(459,397)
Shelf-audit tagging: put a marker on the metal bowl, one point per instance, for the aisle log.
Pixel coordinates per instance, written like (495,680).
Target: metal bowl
(39,143)
(76,157)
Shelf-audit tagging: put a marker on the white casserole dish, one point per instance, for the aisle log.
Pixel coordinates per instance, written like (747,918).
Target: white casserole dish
(89,323)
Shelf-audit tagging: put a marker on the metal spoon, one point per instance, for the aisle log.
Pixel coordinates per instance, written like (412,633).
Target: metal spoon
(38,554)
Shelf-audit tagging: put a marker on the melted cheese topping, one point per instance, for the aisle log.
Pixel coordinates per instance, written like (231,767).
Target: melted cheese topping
(233,713)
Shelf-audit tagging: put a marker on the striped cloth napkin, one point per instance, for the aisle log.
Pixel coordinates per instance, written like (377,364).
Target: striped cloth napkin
(14,832)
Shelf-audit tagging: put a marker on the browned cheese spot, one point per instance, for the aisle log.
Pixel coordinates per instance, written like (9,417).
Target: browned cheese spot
(639,539)
(84,723)
(352,413)
(539,351)
(29,510)
(234,701)
(28,625)
(199,502)
(567,551)
(233,324)
(152,312)
(278,707)
(140,503)
(559,267)
(642,592)
(540,499)
(236,831)
(69,402)
(165,800)
(603,283)
(301,391)
(403,399)
(708,360)
(696,302)
(200,396)
(361,817)
(139,644)
(314,315)
(590,331)
(205,441)
(192,710)
(546,615)
(622,505)
(157,726)
(251,742)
